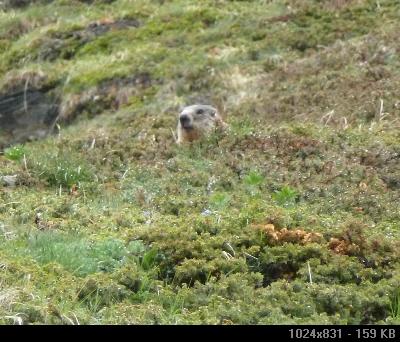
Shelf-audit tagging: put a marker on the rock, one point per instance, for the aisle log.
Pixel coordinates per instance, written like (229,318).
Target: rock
(108,94)
(9,180)
(28,109)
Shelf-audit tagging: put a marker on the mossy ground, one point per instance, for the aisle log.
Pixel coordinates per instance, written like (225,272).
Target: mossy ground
(134,229)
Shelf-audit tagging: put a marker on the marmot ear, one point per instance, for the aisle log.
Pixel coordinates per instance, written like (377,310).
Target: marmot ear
(213,112)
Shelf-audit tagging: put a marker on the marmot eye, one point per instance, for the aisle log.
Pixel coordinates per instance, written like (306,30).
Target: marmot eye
(199,111)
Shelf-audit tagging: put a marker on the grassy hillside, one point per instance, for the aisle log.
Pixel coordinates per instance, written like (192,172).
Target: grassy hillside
(290,217)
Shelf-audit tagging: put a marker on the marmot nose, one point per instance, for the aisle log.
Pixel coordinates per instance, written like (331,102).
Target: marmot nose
(184,119)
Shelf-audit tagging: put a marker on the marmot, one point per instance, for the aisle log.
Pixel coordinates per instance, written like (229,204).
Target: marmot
(196,121)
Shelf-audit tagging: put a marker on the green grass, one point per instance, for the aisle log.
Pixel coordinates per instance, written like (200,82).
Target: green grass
(15,153)
(77,255)
(395,305)
(137,230)
(286,196)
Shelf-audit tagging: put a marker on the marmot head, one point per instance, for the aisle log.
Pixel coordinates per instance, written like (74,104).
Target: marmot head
(197,120)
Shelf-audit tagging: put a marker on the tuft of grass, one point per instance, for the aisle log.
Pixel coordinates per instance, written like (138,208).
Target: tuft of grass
(286,196)
(219,200)
(61,169)
(81,256)
(254,179)
(395,304)
(15,152)
(149,259)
